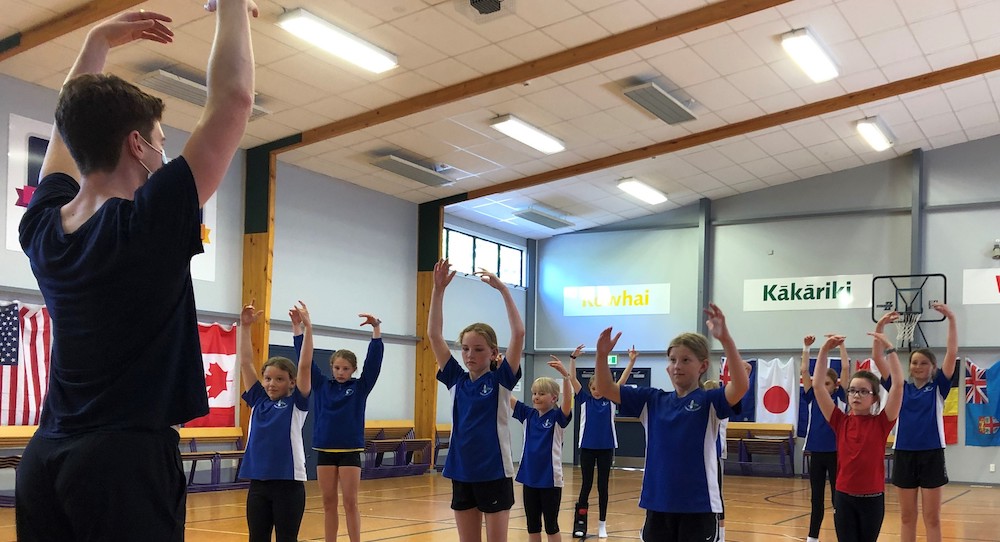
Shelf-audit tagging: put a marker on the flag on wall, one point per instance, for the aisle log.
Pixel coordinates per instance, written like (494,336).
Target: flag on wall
(982,396)
(218,352)
(777,386)
(25,347)
(803,418)
(747,403)
(950,413)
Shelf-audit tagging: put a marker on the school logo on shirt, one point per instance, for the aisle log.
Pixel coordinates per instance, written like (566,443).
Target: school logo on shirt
(486,390)
(350,391)
(547,424)
(604,403)
(280,403)
(692,406)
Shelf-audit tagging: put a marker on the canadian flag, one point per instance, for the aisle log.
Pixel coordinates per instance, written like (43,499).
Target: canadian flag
(777,385)
(218,354)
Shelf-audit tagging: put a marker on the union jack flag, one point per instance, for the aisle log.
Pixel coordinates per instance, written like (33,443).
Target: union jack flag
(975,384)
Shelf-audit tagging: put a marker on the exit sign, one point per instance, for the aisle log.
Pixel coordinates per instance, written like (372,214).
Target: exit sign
(613,359)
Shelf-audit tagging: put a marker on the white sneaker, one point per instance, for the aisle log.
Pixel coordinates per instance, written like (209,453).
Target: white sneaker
(811,539)
(602,529)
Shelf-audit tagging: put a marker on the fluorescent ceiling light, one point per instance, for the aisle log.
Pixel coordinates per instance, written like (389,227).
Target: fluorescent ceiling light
(876,133)
(642,191)
(527,134)
(338,42)
(543,219)
(809,54)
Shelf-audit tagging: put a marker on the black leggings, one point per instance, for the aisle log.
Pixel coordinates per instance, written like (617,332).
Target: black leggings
(858,519)
(822,467)
(276,504)
(603,458)
(539,503)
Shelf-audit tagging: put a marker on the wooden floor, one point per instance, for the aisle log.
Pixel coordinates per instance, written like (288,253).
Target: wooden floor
(416,508)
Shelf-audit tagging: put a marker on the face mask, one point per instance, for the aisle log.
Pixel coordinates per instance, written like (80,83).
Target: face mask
(163,155)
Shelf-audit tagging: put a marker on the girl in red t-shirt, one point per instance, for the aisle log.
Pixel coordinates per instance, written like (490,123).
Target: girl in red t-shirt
(861,435)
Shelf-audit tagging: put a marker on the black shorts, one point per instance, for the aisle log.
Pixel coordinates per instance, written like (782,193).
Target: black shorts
(488,497)
(338,459)
(922,468)
(670,527)
(107,486)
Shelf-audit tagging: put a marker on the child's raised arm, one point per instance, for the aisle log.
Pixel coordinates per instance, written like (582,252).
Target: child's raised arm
(739,381)
(807,383)
(878,357)
(567,390)
(435,317)
(845,366)
(632,355)
(516,346)
(572,369)
(823,398)
(606,386)
(895,398)
(951,354)
(244,346)
(304,379)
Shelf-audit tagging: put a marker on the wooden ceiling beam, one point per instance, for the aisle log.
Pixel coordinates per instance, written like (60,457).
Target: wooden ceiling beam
(644,35)
(861,97)
(74,19)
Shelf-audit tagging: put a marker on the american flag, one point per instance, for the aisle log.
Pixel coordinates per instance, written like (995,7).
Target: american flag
(25,346)
(975,384)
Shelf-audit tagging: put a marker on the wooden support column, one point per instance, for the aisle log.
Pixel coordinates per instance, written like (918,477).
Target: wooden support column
(258,247)
(430,225)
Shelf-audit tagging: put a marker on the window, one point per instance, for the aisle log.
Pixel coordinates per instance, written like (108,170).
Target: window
(459,251)
(468,253)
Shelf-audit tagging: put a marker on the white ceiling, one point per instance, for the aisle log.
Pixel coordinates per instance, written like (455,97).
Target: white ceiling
(734,71)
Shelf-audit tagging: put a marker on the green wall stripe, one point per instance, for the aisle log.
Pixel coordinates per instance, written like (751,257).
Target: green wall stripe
(258,174)
(429,231)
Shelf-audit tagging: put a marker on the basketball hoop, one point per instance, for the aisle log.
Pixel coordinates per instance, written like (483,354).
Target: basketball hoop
(906,324)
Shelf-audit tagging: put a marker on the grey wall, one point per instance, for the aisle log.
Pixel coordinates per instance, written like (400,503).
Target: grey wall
(851,222)
(609,258)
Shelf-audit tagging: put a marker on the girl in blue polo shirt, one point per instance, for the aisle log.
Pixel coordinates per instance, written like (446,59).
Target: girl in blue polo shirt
(478,461)
(680,487)
(820,441)
(339,425)
(918,461)
(598,440)
(274,460)
(540,471)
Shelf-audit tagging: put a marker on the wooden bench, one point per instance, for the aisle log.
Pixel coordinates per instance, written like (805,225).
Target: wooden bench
(769,439)
(442,440)
(395,437)
(192,437)
(13,438)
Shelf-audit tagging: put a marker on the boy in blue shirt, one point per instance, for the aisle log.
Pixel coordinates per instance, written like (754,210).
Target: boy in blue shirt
(540,471)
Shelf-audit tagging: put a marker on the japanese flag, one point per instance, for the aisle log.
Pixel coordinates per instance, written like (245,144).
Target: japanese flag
(218,354)
(777,391)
